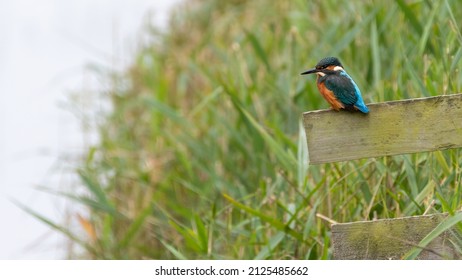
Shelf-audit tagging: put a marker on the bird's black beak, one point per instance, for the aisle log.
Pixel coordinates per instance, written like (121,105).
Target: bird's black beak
(311,71)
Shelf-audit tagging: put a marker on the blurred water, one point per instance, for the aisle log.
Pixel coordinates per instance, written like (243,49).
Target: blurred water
(44,48)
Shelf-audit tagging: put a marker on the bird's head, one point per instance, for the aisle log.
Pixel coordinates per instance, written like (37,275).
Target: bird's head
(326,66)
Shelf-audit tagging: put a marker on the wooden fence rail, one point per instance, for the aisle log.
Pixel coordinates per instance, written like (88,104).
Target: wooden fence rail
(391,128)
(393,238)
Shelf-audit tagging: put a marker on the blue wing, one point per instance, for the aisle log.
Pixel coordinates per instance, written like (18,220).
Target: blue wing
(342,87)
(345,90)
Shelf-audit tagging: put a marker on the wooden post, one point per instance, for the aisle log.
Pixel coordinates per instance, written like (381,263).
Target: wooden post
(392,239)
(391,128)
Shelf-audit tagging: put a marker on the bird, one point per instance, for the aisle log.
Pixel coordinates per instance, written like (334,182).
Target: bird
(336,86)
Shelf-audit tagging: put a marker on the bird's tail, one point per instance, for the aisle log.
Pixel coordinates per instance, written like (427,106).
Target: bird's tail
(361,106)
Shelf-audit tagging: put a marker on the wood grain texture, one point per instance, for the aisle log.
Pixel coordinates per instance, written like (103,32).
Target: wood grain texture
(391,128)
(392,239)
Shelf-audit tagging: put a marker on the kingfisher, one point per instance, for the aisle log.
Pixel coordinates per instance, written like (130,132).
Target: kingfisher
(336,86)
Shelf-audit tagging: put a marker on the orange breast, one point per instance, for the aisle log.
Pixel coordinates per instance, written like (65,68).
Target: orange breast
(330,97)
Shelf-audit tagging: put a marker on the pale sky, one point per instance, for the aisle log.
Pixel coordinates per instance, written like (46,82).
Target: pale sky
(45,47)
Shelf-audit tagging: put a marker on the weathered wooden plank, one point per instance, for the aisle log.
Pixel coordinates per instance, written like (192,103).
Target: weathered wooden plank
(391,239)
(396,127)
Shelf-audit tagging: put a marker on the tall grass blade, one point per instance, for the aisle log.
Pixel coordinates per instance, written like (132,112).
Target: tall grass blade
(173,251)
(54,226)
(266,252)
(135,226)
(270,220)
(259,51)
(349,36)
(286,159)
(410,15)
